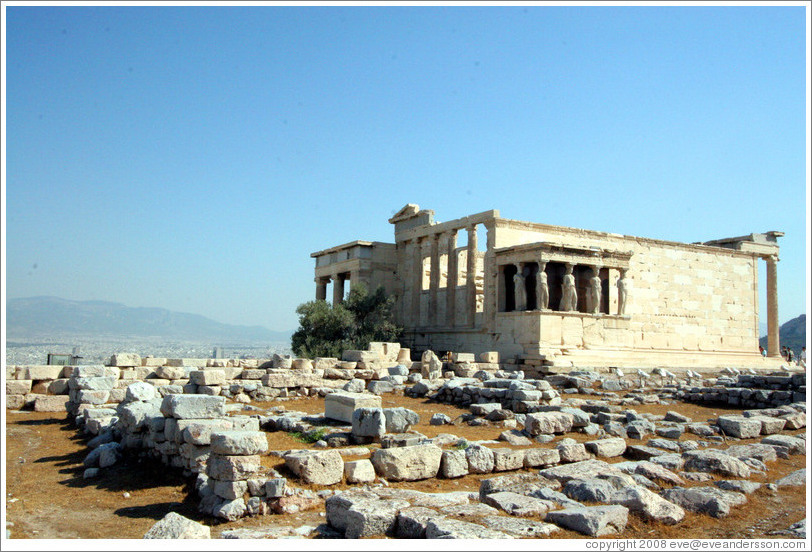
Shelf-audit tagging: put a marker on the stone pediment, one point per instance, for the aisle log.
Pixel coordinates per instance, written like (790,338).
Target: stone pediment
(410,210)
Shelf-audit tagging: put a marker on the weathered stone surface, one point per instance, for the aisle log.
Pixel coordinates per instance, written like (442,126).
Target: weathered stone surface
(337,506)
(505,459)
(796,478)
(714,461)
(515,438)
(140,391)
(795,445)
(276,487)
(589,490)
(607,448)
(587,469)
(519,528)
(738,485)
(572,452)
(399,420)
(657,473)
(18,387)
(340,405)
(50,403)
(193,406)
(368,422)
(439,418)
(373,518)
(199,432)
(430,366)
(707,500)
(446,528)
(453,464)
(520,483)
(739,426)
(673,416)
(175,526)
(594,521)
(770,425)
(207,377)
(232,468)
(648,504)
(316,467)
(240,443)
(125,359)
(537,423)
(536,458)
(671,462)
(136,415)
(480,459)
(359,471)
(230,510)
(518,505)
(411,522)
(762,452)
(230,489)
(408,463)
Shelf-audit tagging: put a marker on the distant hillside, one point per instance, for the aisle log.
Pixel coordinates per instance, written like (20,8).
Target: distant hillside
(792,334)
(38,316)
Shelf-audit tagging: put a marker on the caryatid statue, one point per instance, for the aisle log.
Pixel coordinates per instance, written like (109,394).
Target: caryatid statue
(542,292)
(624,286)
(594,292)
(519,291)
(569,295)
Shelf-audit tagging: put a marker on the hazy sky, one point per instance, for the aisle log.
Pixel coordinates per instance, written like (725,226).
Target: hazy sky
(193,157)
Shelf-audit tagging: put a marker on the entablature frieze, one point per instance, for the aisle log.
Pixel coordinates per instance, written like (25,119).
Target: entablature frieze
(563,253)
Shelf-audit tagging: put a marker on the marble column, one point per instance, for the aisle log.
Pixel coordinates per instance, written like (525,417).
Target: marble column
(417,279)
(451,281)
(470,278)
(773,342)
(434,278)
(338,288)
(321,289)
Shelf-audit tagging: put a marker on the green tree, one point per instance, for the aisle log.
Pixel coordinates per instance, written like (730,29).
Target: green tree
(326,330)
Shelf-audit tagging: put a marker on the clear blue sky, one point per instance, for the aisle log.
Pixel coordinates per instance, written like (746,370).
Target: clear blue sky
(193,157)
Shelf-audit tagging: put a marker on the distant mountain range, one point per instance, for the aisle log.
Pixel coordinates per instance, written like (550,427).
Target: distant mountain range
(41,316)
(791,333)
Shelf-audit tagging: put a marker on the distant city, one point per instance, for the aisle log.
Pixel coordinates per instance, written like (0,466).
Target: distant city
(98,350)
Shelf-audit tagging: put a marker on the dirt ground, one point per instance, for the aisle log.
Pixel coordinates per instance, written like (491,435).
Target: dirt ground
(47,498)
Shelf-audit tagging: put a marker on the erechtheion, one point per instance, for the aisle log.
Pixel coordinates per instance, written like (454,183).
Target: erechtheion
(557,297)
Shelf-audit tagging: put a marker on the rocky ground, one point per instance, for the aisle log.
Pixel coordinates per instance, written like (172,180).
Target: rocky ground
(47,497)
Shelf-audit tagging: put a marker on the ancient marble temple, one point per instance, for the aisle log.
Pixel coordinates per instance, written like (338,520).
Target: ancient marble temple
(557,296)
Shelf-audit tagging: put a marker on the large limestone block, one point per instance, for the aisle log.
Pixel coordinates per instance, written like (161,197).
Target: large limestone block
(316,467)
(153,361)
(207,377)
(505,459)
(399,420)
(368,422)
(50,403)
(480,459)
(243,443)
(770,425)
(140,391)
(607,448)
(42,372)
(537,458)
(291,379)
(517,504)
(18,387)
(431,367)
(360,356)
(172,372)
(88,371)
(594,521)
(740,426)
(648,504)
(587,469)
(175,526)
(537,423)
(707,500)
(454,464)
(199,432)
(410,463)
(193,406)
(446,528)
(125,359)
(103,383)
(340,405)
(714,461)
(233,468)
(373,518)
(359,471)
